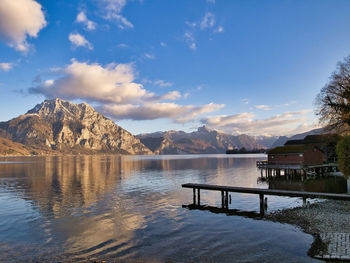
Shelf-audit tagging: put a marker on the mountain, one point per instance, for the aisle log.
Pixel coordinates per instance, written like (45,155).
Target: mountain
(8,147)
(204,140)
(61,126)
(266,141)
(283,139)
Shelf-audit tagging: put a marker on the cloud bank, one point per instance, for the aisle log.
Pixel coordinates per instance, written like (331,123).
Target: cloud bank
(152,111)
(114,90)
(244,123)
(20,19)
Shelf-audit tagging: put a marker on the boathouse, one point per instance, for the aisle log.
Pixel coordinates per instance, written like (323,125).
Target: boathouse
(296,155)
(324,142)
(314,154)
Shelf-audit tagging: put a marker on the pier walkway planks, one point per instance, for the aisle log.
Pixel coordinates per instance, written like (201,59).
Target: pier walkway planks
(261,192)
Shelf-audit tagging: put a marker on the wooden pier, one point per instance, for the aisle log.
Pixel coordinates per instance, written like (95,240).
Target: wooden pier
(261,192)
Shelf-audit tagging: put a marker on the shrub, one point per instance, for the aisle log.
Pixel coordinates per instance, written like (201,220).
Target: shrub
(343,152)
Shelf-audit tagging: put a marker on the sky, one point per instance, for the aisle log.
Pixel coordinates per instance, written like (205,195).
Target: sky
(240,66)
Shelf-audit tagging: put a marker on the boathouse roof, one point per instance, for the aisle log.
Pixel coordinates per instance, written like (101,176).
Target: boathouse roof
(314,139)
(288,149)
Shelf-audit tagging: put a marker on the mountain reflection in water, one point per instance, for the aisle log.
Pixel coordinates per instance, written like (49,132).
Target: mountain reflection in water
(82,208)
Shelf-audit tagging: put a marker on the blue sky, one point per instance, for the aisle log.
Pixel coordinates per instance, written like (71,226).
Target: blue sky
(245,66)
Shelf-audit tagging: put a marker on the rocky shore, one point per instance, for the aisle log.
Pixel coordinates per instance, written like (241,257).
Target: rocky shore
(328,221)
(320,217)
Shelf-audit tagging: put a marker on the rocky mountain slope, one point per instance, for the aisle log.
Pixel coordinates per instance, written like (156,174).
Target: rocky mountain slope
(10,148)
(204,140)
(61,126)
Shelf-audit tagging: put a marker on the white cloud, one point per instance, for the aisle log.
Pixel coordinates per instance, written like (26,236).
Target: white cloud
(154,111)
(220,29)
(6,66)
(82,18)
(263,107)
(20,19)
(191,24)
(162,83)
(159,82)
(149,56)
(122,45)
(79,41)
(93,82)
(208,21)
(113,89)
(225,120)
(245,101)
(163,44)
(189,38)
(172,95)
(211,1)
(244,123)
(290,103)
(113,9)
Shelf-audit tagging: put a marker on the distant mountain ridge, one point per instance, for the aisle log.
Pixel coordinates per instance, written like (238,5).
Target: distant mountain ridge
(61,126)
(283,139)
(204,140)
(266,141)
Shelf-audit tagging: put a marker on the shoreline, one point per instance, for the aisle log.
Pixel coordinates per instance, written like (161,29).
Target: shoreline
(320,217)
(321,220)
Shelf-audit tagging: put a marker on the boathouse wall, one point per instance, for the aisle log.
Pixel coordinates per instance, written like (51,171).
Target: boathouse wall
(312,156)
(287,158)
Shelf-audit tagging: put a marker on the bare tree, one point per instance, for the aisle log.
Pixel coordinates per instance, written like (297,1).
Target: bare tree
(333,102)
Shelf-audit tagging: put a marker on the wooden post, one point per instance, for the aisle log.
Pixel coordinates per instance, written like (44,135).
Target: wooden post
(222,199)
(304,201)
(261,196)
(194,196)
(226,199)
(199,197)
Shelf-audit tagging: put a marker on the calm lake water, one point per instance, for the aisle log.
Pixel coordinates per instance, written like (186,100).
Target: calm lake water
(130,208)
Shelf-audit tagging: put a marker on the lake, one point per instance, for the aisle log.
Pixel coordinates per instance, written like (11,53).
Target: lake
(130,208)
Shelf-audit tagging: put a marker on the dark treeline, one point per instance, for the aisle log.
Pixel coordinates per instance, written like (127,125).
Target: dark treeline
(244,150)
